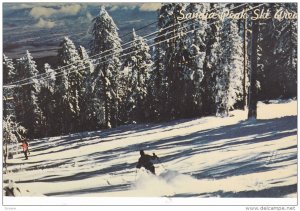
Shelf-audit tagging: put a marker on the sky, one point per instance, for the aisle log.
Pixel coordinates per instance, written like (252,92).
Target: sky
(40,27)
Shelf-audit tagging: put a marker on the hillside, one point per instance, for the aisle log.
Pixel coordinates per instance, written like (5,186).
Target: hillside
(205,157)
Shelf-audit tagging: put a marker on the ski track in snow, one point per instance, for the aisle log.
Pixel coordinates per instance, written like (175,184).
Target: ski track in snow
(205,157)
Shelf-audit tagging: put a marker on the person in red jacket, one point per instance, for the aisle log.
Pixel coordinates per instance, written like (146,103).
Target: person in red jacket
(145,161)
(25,148)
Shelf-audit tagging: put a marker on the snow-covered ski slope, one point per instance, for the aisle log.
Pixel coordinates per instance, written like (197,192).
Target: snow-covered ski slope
(205,157)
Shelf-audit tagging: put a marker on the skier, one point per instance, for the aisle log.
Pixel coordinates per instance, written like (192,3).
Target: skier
(25,148)
(145,161)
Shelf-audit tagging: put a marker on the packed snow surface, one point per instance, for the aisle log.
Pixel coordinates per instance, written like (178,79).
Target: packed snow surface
(204,157)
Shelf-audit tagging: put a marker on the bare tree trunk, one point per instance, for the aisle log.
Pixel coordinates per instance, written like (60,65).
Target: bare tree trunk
(245,65)
(107,112)
(252,113)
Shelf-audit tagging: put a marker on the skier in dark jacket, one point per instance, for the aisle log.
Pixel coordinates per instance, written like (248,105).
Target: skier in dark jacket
(145,161)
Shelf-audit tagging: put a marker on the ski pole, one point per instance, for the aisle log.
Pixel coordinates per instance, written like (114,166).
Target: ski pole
(135,175)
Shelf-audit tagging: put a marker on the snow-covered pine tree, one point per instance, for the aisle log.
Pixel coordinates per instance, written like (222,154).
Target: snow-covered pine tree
(170,57)
(28,112)
(88,71)
(213,52)
(88,118)
(267,73)
(47,100)
(193,75)
(277,54)
(12,132)
(157,89)
(62,106)
(50,78)
(193,68)
(199,36)
(9,76)
(8,70)
(285,52)
(229,72)
(105,38)
(68,56)
(139,63)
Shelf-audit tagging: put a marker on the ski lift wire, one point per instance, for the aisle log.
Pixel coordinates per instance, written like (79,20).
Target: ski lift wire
(12,85)
(151,34)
